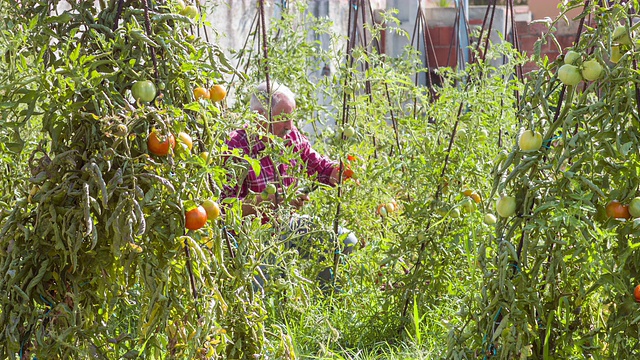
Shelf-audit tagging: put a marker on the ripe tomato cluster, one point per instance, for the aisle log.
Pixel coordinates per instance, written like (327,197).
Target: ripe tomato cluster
(197,217)
(216,93)
(617,210)
(388,208)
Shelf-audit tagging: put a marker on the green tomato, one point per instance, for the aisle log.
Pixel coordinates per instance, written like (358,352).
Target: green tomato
(634,207)
(483,134)
(190,11)
(349,132)
(569,75)
(270,189)
(144,91)
(506,206)
(621,36)
(530,141)
(616,54)
(571,57)
(462,134)
(490,219)
(469,205)
(591,70)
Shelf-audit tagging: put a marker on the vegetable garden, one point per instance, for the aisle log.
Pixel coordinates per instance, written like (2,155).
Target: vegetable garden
(497,212)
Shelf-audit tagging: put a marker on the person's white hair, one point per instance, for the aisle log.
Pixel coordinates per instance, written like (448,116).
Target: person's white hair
(279,93)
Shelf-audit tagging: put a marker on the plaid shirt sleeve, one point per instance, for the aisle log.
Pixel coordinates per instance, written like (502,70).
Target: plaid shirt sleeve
(237,140)
(315,163)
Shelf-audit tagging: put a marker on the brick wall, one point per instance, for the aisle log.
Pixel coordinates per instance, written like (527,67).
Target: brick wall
(444,52)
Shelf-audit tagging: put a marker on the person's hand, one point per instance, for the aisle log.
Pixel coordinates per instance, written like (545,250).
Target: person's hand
(299,201)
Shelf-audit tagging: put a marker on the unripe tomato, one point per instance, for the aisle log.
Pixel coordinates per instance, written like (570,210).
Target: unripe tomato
(391,207)
(621,36)
(144,91)
(591,70)
(217,93)
(190,11)
(490,219)
(530,141)
(617,210)
(195,218)
(201,93)
(381,210)
(616,54)
(179,4)
(462,134)
(468,205)
(212,208)
(506,206)
(571,57)
(349,132)
(454,213)
(160,147)
(270,189)
(186,139)
(205,156)
(636,293)
(482,135)
(569,74)
(634,207)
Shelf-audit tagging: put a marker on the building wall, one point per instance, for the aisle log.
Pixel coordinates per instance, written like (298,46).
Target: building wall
(549,8)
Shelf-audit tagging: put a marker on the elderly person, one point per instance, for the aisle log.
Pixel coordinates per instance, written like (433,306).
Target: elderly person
(281,103)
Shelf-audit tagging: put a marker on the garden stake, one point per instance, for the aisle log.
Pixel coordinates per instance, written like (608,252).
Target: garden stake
(152,50)
(118,15)
(192,280)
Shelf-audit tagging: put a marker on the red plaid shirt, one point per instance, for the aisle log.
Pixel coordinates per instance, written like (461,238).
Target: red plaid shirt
(315,163)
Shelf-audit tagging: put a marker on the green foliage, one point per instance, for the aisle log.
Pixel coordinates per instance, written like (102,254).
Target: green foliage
(559,276)
(95,260)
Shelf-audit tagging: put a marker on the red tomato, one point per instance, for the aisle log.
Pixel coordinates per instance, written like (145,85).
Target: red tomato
(160,147)
(195,218)
(636,293)
(617,210)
